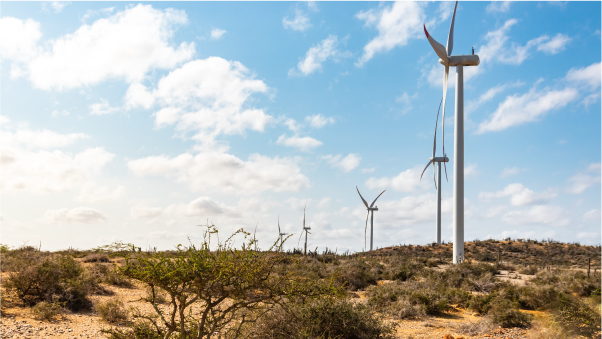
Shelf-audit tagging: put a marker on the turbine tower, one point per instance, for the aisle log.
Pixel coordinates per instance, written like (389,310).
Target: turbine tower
(370,209)
(437,160)
(306,230)
(459,61)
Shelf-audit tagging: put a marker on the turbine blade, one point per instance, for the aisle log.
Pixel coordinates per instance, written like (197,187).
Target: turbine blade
(445,167)
(445,76)
(279,232)
(450,38)
(427,166)
(434,178)
(436,124)
(299,238)
(439,49)
(304,216)
(364,200)
(381,193)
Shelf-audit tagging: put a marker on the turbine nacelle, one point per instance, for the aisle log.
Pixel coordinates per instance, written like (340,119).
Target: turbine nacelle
(461,60)
(439,159)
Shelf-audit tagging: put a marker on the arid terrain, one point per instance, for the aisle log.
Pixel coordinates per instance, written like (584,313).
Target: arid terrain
(393,284)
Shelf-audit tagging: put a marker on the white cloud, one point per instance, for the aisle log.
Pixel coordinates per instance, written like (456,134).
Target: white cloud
(217,33)
(207,96)
(144,212)
(21,44)
(319,121)
(584,180)
(396,25)
(304,144)
(406,181)
(470,170)
(539,214)
(316,55)
(225,172)
(555,45)
(123,46)
(591,216)
(406,100)
(519,195)
(93,193)
(406,211)
(203,207)
(589,76)
(137,95)
(299,23)
(473,105)
(519,109)
(58,6)
(83,215)
(43,139)
(498,6)
(592,237)
(325,202)
(347,164)
(102,108)
(508,171)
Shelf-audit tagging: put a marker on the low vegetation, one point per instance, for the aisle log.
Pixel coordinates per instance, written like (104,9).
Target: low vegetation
(239,292)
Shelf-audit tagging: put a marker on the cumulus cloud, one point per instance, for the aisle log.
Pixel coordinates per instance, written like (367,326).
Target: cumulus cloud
(93,193)
(102,108)
(125,46)
(406,181)
(318,54)
(584,180)
(80,215)
(473,105)
(38,139)
(319,121)
(21,43)
(396,25)
(304,144)
(588,76)
(539,214)
(555,45)
(498,6)
(207,96)
(145,212)
(591,215)
(519,195)
(217,33)
(406,211)
(225,173)
(519,109)
(346,164)
(299,23)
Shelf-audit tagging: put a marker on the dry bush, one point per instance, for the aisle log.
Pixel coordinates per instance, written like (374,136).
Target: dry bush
(46,311)
(476,328)
(529,270)
(56,278)
(505,313)
(357,274)
(112,310)
(96,257)
(324,318)
(108,274)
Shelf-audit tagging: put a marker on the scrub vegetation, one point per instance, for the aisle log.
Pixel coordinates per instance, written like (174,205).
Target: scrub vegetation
(237,292)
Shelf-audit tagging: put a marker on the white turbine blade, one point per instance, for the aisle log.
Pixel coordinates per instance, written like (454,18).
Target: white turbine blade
(450,38)
(427,166)
(445,76)
(358,192)
(434,180)
(299,238)
(279,232)
(381,193)
(304,216)
(439,49)
(436,124)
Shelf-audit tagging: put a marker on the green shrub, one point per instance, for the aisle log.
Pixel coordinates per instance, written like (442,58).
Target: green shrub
(46,311)
(109,274)
(357,274)
(505,313)
(579,316)
(57,278)
(112,310)
(324,318)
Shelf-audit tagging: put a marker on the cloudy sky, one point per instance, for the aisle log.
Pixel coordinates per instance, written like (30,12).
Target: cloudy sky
(139,121)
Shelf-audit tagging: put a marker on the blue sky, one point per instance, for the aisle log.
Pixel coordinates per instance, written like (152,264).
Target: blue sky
(139,121)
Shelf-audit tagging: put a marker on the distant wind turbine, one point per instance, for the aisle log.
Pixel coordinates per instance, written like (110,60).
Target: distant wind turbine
(437,160)
(459,61)
(306,230)
(370,209)
(280,234)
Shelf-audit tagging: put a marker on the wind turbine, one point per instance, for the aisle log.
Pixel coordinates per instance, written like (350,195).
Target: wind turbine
(370,209)
(280,234)
(459,61)
(306,230)
(437,160)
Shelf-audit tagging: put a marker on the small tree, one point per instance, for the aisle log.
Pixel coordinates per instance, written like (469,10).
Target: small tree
(217,291)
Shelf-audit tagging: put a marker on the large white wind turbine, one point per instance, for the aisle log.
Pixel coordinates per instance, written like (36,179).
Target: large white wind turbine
(306,230)
(370,208)
(459,61)
(437,160)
